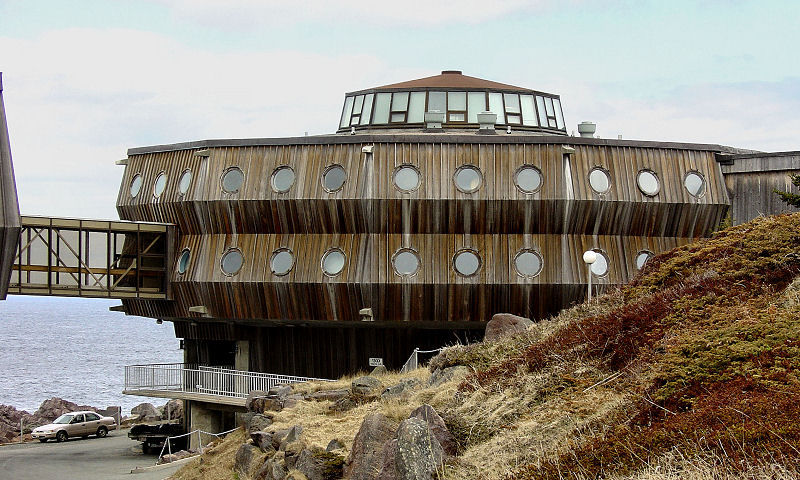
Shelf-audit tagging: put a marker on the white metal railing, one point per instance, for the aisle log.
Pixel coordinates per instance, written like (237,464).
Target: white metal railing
(187,378)
(413,361)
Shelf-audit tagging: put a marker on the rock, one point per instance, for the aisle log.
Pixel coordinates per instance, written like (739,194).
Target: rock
(439,377)
(146,412)
(378,371)
(254,402)
(291,400)
(366,456)
(418,454)
(503,324)
(263,440)
(334,444)
(437,427)
(366,387)
(271,470)
(112,412)
(280,391)
(247,457)
(291,436)
(291,453)
(257,422)
(343,404)
(332,395)
(9,422)
(180,455)
(172,410)
(397,390)
(388,467)
(317,464)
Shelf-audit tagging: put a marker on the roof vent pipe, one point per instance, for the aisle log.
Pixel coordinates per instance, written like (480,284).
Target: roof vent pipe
(587,129)
(434,119)
(486,121)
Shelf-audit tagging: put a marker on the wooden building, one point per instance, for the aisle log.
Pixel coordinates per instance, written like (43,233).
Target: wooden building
(437,203)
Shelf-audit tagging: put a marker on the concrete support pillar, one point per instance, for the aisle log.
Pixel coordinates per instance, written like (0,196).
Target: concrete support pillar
(201,417)
(242,362)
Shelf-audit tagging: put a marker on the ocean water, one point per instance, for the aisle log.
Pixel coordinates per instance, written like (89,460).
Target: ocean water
(76,349)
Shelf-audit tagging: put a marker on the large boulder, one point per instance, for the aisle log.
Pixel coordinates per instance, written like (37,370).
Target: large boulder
(440,376)
(366,455)
(257,422)
(272,469)
(173,410)
(437,428)
(255,401)
(503,324)
(366,387)
(418,454)
(247,459)
(9,422)
(317,464)
(388,467)
(330,395)
(145,412)
(397,390)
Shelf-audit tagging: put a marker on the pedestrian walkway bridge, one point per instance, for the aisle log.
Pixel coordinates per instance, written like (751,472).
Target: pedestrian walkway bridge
(92,258)
(201,383)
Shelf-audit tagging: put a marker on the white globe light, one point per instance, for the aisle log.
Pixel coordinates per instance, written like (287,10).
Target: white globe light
(589,256)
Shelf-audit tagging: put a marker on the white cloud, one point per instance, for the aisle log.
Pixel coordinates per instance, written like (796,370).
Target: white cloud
(751,115)
(77,99)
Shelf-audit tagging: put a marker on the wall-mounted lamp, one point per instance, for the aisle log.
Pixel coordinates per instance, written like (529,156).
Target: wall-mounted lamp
(352,130)
(508,129)
(367,148)
(366,315)
(589,256)
(203,153)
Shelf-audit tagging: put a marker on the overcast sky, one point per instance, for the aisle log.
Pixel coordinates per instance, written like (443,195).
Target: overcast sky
(86,80)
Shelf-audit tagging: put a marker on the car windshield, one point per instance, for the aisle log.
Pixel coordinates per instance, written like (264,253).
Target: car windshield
(66,418)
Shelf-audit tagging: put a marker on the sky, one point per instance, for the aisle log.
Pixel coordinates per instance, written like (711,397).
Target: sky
(86,80)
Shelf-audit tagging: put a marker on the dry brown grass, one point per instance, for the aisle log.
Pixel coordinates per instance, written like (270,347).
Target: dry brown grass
(216,463)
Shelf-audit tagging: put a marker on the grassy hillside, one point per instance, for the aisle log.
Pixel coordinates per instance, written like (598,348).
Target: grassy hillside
(690,371)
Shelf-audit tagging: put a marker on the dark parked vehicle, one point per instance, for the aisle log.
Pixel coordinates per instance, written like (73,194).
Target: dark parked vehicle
(153,435)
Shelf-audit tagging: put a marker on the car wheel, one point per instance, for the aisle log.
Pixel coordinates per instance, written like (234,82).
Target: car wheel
(43,440)
(102,432)
(61,436)
(145,447)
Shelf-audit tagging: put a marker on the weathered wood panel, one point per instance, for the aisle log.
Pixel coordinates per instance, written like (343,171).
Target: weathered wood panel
(752,180)
(369,202)
(435,294)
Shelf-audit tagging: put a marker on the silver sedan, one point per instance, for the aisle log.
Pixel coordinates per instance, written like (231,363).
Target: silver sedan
(75,424)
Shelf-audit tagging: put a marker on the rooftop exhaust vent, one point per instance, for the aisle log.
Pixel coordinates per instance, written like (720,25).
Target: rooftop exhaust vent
(434,119)
(487,120)
(587,129)
(451,72)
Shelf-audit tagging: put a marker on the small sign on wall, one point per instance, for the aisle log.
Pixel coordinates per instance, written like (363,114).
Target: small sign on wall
(375,362)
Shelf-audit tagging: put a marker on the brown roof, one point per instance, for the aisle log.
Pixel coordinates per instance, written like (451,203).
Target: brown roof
(452,79)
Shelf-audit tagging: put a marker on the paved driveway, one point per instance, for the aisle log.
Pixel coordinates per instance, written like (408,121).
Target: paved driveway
(93,458)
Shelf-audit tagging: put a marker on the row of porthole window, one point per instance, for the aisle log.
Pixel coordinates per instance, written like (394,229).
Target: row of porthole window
(407,178)
(405,262)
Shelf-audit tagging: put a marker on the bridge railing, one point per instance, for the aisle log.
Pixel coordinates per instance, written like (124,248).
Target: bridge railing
(201,379)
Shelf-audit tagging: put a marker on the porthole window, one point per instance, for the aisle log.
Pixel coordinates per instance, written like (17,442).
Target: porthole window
(405,262)
(648,183)
(136,185)
(333,262)
(528,179)
(160,185)
(232,180)
(406,178)
(600,266)
(466,262)
(528,263)
(282,179)
(282,261)
(231,261)
(184,182)
(600,180)
(642,258)
(695,183)
(333,178)
(468,179)
(183,261)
